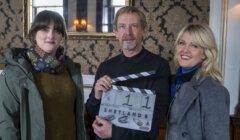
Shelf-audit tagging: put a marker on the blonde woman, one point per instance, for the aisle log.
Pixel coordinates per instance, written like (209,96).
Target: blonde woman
(200,103)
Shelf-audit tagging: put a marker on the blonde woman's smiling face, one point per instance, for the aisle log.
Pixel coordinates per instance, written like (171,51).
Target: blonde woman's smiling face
(188,54)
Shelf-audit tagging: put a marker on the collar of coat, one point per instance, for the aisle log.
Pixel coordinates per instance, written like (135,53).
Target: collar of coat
(191,93)
(15,57)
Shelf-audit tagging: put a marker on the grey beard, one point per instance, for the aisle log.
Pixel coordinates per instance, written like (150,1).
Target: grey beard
(129,48)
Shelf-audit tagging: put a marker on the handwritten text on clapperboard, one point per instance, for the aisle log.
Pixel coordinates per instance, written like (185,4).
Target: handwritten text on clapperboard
(129,109)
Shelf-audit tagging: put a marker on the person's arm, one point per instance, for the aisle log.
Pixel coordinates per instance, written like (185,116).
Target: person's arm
(93,104)
(161,85)
(216,114)
(9,112)
(102,83)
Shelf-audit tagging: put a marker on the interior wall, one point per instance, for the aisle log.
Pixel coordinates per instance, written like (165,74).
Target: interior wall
(232,64)
(165,18)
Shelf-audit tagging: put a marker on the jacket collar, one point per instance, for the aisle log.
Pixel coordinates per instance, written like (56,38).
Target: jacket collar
(190,90)
(16,57)
(189,96)
(197,80)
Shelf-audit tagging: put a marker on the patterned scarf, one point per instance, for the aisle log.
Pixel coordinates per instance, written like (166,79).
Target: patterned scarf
(44,62)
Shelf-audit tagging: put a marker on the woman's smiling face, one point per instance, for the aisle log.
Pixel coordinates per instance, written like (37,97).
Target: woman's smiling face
(187,52)
(48,39)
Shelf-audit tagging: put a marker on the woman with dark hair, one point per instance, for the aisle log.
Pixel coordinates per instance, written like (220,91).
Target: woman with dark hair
(200,105)
(41,88)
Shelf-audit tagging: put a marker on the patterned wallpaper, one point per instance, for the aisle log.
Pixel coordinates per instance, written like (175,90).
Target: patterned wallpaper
(165,19)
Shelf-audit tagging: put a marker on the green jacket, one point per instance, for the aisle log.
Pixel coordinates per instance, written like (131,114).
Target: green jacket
(21,108)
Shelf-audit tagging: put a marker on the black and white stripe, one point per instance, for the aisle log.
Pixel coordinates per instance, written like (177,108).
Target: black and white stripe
(133,76)
(144,91)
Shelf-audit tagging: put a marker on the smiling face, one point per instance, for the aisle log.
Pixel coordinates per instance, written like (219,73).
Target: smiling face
(48,39)
(129,31)
(188,54)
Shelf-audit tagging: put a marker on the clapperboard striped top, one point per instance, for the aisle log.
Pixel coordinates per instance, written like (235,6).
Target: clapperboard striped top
(144,91)
(133,76)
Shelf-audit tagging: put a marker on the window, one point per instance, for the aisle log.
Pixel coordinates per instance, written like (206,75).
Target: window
(37,6)
(109,9)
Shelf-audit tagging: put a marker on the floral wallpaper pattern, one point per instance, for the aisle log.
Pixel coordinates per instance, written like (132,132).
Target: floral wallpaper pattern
(165,19)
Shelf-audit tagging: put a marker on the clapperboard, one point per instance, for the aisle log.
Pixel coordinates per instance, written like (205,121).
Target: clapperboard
(129,107)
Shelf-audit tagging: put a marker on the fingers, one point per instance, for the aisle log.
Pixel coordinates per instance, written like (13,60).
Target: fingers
(105,81)
(102,85)
(102,128)
(97,127)
(98,123)
(100,120)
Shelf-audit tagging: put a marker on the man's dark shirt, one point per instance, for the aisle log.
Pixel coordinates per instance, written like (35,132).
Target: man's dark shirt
(122,66)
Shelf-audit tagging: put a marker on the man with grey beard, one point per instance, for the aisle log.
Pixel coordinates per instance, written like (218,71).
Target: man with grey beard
(130,26)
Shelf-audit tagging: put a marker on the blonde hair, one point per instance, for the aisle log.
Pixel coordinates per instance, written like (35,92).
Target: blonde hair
(203,37)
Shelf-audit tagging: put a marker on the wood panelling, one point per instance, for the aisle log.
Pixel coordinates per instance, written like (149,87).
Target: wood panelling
(235,127)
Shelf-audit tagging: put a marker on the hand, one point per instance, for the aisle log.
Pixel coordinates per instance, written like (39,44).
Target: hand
(102,85)
(102,128)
